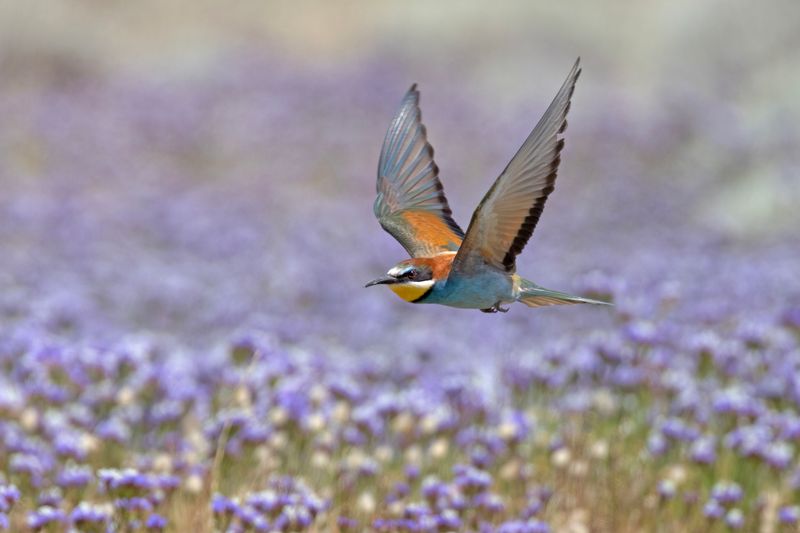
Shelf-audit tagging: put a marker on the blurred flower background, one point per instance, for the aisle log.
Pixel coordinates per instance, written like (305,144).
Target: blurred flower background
(186,226)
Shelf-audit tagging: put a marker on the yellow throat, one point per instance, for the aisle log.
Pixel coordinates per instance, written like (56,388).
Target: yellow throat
(411,291)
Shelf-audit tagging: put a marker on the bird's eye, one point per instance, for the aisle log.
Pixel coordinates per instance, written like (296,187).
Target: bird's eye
(410,274)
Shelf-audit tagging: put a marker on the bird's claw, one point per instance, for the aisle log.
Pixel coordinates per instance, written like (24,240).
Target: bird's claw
(495,308)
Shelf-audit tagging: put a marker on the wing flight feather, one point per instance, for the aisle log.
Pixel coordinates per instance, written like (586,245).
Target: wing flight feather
(506,217)
(411,204)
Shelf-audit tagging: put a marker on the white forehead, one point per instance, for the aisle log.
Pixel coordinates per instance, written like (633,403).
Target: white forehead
(399,270)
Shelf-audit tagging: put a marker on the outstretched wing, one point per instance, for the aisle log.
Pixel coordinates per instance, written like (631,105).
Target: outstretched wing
(507,215)
(411,204)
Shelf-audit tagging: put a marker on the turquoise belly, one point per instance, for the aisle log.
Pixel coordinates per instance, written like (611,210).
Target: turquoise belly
(474,292)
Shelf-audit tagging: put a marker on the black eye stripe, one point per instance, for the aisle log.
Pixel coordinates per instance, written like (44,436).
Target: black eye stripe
(410,273)
(414,274)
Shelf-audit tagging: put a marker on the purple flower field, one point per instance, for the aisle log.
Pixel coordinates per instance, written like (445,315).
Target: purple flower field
(186,345)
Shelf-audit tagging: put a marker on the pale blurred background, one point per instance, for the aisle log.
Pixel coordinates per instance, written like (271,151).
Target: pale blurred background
(739,60)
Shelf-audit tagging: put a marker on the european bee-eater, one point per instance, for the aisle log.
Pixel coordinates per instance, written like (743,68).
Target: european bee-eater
(476,269)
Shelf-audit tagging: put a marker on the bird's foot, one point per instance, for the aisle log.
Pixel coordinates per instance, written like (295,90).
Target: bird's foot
(495,308)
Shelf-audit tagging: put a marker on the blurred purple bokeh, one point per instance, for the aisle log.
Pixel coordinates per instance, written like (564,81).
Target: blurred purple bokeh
(178,188)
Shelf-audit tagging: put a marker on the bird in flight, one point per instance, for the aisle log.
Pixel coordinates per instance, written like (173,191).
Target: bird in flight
(476,269)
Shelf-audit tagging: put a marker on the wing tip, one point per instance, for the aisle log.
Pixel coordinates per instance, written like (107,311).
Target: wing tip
(574,74)
(535,212)
(412,97)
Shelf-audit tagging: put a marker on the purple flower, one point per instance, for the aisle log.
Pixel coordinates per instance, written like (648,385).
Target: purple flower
(86,513)
(347,524)
(9,495)
(713,510)
(45,516)
(519,526)
(666,488)
(222,505)
(51,497)
(677,429)
(125,482)
(789,514)
(74,476)
(471,480)
(167,482)
(134,505)
(32,465)
(412,472)
(156,522)
(448,520)
(703,450)
(791,317)
(399,491)
(726,493)
(657,444)
(433,489)
(114,430)
(266,501)
(778,454)
(489,503)
(641,332)
(734,519)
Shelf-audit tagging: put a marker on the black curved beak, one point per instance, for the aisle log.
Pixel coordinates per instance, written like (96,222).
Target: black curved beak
(383,280)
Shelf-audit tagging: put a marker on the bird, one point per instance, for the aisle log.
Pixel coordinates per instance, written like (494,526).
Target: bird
(476,269)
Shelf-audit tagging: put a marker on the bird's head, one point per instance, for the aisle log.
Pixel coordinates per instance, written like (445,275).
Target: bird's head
(410,279)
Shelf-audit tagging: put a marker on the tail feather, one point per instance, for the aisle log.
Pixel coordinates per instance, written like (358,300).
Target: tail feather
(534,296)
